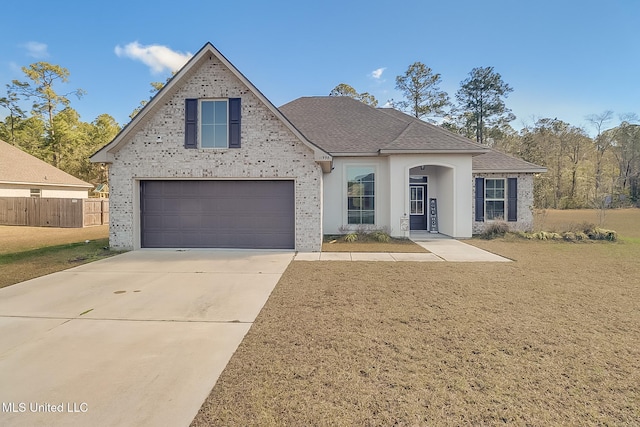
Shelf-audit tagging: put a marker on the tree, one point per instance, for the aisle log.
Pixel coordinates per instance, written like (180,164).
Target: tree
(423,97)
(344,89)
(626,149)
(481,101)
(46,102)
(602,142)
(10,102)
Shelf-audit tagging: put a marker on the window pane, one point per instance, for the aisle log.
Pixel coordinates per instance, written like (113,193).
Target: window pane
(495,210)
(206,115)
(207,136)
(220,136)
(354,203)
(368,217)
(368,188)
(367,203)
(220,113)
(360,173)
(354,217)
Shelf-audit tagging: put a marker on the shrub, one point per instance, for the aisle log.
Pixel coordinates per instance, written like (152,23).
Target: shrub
(494,230)
(351,237)
(602,234)
(380,236)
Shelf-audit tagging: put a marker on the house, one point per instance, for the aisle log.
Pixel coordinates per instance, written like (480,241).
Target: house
(211,162)
(22,175)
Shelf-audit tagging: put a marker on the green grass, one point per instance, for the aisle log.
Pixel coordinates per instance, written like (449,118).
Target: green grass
(24,265)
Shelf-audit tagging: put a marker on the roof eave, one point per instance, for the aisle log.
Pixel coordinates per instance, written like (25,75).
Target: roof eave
(428,151)
(532,170)
(46,184)
(362,154)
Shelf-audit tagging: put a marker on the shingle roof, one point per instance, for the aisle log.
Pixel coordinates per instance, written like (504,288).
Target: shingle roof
(495,161)
(16,166)
(340,124)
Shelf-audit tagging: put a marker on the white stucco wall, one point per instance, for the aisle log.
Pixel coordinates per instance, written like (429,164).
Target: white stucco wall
(269,150)
(450,182)
(335,193)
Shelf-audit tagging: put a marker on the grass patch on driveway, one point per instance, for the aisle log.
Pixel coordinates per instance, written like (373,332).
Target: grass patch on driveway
(552,338)
(20,266)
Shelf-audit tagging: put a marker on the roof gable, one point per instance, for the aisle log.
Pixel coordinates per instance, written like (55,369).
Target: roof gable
(19,167)
(105,154)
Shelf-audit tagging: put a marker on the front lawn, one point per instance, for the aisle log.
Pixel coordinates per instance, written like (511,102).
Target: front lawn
(550,339)
(24,265)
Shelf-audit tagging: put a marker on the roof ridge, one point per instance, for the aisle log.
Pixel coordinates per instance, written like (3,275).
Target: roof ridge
(404,131)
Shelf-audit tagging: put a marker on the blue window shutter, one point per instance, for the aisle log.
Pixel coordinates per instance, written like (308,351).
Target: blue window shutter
(480,199)
(190,123)
(512,199)
(234,122)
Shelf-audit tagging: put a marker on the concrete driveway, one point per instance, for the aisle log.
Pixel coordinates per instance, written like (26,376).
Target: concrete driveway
(134,340)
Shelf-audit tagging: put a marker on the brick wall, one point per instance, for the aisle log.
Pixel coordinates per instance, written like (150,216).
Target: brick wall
(525,201)
(269,150)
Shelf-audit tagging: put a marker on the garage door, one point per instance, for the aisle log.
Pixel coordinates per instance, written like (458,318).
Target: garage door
(217,214)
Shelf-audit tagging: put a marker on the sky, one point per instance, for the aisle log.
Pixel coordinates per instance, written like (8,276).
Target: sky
(564,59)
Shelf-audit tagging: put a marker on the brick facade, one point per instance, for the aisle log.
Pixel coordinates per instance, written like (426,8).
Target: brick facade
(525,201)
(269,151)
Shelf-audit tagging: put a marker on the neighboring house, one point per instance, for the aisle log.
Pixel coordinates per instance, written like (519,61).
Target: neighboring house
(22,175)
(211,162)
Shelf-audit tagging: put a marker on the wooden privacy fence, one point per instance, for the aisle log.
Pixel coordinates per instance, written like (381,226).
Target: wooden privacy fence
(50,212)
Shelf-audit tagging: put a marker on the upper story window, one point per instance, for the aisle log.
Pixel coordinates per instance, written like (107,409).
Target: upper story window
(212,123)
(360,195)
(214,129)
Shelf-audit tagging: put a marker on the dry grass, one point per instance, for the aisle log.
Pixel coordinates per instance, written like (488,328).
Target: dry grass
(16,238)
(393,246)
(550,339)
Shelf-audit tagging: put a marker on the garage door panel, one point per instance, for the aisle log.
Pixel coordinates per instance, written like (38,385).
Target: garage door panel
(224,214)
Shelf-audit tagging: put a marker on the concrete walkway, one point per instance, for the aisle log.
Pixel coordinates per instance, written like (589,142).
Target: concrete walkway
(439,250)
(134,340)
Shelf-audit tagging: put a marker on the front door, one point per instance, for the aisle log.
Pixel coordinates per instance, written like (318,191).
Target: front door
(418,208)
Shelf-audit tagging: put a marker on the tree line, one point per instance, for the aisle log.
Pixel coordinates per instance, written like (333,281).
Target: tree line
(52,130)
(583,171)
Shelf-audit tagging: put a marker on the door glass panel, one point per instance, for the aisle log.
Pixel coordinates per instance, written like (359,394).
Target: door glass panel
(416,198)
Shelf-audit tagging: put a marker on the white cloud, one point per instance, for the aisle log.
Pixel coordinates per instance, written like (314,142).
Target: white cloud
(377,74)
(158,58)
(36,49)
